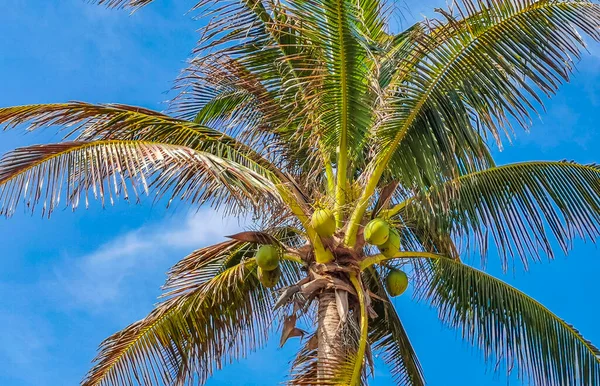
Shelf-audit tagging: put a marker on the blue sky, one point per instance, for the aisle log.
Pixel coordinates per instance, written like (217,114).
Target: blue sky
(68,282)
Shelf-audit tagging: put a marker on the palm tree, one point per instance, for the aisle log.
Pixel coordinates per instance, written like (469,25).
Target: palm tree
(316,119)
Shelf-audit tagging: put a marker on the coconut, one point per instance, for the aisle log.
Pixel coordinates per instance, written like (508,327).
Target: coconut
(377,231)
(323,222)
(392,245)
(269,278)
(396,282)
(267,257)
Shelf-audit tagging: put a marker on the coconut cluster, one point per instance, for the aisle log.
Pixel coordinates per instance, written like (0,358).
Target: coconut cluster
(380,233)
(267,258)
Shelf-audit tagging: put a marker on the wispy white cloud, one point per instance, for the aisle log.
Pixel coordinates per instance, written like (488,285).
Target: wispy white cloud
(115,271)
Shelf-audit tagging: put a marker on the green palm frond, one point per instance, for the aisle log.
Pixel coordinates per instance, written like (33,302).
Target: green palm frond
(389,338)
(431,160)
(426,157)
(209,76)
(392,51)
(333,27)
(510,327)
(242,29)
(222,107)
(262,37)
(257,48)
(523,206)
(69,170)
(222,92)
(190,335)
(488,64)
(122,122)
(205,263)
(469,77)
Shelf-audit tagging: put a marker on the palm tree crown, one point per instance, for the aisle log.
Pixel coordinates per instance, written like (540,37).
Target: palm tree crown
(362,154)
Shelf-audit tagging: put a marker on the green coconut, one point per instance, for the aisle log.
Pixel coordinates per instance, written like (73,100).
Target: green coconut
(267,257)
(396,282)
(323,222)
(377,232)
(392,245)
(269,278)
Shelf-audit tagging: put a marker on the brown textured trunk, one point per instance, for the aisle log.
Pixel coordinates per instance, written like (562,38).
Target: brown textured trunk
(328,332)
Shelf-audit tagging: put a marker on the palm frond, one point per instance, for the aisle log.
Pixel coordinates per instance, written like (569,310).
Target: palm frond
(346,117)
(487,66)
(208,79)
(69,170)
(258,40)
(426,157)
(205,263)
(276,43)
(524,206)
(189,335)
(470,76)
(267,58)
(222,107)
(510,327)
(221,92)
(333,27)
(392,51)
(122,122)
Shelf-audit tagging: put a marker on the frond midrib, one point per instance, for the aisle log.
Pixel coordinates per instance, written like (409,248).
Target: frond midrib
(342,164)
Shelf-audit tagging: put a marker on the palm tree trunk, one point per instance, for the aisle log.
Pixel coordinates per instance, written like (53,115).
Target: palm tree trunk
(328,332)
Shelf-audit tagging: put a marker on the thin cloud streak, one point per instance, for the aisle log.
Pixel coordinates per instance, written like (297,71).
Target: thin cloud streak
(103,277)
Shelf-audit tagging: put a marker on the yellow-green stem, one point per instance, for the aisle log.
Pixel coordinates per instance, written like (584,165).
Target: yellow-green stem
(294,258)
(364,321)
(388,213)
(363,203)
(378,259)
(340,191)
(322,255)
